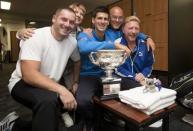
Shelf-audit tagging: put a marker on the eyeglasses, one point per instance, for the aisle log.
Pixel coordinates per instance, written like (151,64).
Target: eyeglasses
(120,18)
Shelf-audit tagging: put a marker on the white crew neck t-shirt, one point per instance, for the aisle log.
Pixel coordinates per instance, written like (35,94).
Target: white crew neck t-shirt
(52,54)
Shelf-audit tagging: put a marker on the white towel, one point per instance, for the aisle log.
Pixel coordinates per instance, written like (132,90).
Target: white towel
(138,99)
(149,112)
(153,106)
(161,102)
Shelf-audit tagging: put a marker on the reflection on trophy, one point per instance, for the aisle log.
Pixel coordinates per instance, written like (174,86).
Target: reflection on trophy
(109,60)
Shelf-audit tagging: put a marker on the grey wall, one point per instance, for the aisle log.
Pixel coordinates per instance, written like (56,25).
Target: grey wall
(180,36)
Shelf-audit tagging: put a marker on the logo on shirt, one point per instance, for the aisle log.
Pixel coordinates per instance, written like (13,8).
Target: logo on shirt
(140,54)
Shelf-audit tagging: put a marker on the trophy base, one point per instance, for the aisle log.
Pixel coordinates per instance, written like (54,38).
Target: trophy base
(110,89)
(108,97)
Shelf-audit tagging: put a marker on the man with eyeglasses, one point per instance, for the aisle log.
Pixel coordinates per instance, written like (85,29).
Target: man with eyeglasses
(116,20)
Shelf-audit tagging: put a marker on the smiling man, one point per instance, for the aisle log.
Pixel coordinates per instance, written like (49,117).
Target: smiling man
(139,64)
(42,61)
(90,74)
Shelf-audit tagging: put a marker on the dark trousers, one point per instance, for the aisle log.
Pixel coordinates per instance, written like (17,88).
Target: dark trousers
(127,83)
(43,103)
(88,87)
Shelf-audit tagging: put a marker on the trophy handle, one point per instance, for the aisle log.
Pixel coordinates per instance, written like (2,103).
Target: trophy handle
(124,57)
(92,58)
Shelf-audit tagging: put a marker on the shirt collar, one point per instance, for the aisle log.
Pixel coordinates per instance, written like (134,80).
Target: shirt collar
(96,36)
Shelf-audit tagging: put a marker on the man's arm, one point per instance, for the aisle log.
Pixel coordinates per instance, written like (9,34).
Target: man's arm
(32,75)
(150,43)
(76,75)
(87,45)
(122,47)
(25,33)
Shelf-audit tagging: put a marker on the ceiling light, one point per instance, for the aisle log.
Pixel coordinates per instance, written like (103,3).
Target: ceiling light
(5,5)
(0,24)
(32,22)
(0,19)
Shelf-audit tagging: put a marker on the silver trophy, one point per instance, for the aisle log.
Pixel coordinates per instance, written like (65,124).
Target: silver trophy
(109,60)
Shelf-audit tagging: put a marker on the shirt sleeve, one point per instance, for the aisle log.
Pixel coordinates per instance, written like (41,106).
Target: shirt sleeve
(124,73)
(75,55)
(31,49)
(142,36)
(87,44)
(148,67)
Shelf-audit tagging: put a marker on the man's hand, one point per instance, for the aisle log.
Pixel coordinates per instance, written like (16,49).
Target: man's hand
(74,88)
(88,31)
(139,78)
(67,99)
(32,75)
(123,47)
(26,33)
(150,44)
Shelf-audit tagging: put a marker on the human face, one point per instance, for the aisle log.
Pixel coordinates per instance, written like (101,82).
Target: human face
(131,30)
(116,17)
(101,21)
(63,24)
(79,15)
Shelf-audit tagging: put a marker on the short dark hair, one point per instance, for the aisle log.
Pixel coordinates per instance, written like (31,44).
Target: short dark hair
(64,8)
(102,9)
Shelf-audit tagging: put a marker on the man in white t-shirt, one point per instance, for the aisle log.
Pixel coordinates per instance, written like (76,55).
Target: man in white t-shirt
(42,61)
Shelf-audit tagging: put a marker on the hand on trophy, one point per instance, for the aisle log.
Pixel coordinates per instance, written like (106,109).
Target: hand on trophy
(123,47)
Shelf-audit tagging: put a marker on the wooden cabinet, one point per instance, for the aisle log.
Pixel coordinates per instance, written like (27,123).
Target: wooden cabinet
(154,22)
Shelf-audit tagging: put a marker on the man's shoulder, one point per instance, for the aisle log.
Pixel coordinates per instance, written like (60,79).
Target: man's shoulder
(84,36)
(43,29)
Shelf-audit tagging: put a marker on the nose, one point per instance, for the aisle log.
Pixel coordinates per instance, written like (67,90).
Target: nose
(78,14)
(117,19)
(134,31)
(103,21)
(67,24)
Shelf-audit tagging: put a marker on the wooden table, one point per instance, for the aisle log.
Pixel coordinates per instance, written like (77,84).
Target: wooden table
(135,119)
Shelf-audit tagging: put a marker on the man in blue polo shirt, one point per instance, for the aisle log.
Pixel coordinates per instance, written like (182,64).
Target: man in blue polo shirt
(90,74)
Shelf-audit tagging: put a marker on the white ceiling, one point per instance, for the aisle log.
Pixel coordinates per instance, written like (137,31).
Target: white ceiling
(43,9)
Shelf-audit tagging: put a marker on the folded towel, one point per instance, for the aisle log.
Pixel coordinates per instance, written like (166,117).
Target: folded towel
(162,102)
(151,111)
(165,92)
(138,99)
(153,106)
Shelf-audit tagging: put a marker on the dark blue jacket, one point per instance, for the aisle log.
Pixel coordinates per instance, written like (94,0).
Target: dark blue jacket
(139,62)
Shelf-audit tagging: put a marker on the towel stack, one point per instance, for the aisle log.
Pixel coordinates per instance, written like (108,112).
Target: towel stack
(148,102)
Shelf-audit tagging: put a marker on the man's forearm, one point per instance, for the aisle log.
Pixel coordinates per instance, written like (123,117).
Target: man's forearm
(76,71)
(32,76)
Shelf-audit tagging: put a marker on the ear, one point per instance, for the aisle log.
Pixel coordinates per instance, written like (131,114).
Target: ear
(93,20)
(54,19)
(123,29)
(108,21)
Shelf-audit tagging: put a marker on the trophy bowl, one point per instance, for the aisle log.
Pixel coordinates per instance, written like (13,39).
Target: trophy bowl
(108,60)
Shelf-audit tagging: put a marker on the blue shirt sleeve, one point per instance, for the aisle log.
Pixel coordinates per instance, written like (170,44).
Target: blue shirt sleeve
(148,67)
(87,44)
(142,36)
(121,71)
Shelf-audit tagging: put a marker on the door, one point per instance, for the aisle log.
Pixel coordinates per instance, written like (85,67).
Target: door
(14,46)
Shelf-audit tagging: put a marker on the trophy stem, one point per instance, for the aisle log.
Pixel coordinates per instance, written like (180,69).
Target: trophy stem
(109,73)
